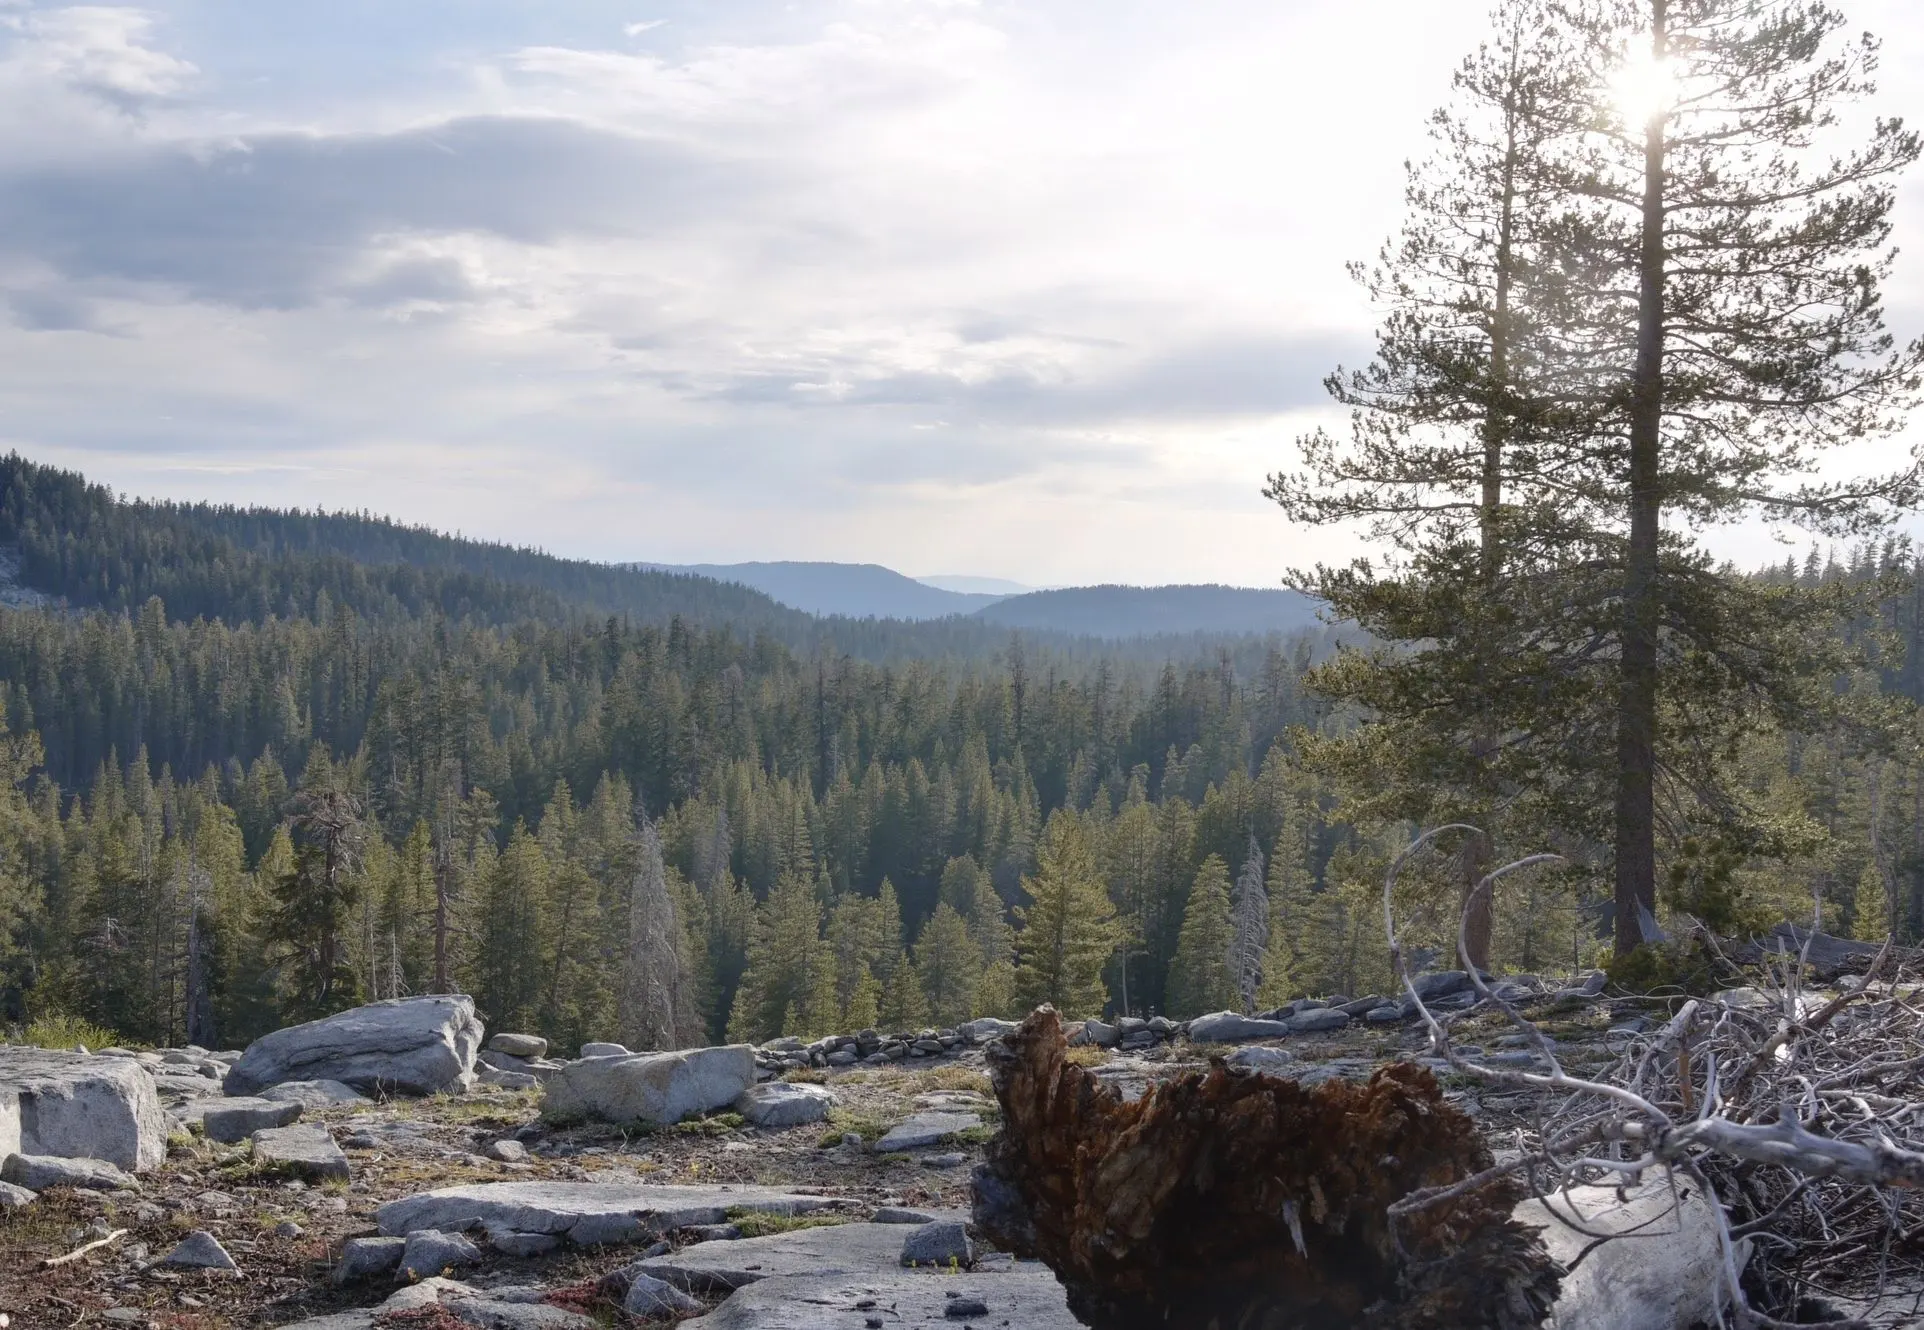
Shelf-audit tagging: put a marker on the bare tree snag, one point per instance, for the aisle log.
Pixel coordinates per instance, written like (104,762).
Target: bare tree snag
(1233,1201)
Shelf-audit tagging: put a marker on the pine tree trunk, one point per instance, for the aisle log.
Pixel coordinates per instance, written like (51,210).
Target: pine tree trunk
(1636,828)
(1479,919)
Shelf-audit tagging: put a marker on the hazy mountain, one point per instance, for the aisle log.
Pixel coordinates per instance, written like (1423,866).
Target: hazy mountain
(857,590)
(976,586)
(1129,611)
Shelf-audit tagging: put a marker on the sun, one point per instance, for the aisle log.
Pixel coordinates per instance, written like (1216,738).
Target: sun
(1644,87)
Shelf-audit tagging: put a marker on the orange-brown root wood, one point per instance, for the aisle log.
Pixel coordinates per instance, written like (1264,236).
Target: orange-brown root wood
(1224,1200)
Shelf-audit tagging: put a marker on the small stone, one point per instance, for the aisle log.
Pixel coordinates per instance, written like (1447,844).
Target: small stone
(365,1257)
(306,1150)
(519,1045)
(12,1197)
(925,1129)
(39,1172)
(430,1252)
(944,1160)
(652,1299)
(944,1243)
(776,1104)
(710,1233)
(891,1214)
(1260,1057)
(960,1308)
(508,1152)
(287,1228)
(199,1249)
(522,1245)
(1319,1020)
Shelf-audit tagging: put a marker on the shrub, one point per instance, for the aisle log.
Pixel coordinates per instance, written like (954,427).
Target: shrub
(58,1030)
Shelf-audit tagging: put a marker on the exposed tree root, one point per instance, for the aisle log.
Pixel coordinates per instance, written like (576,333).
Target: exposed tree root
(1230,1201)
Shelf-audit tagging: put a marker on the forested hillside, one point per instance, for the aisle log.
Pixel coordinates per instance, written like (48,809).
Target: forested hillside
(219,823)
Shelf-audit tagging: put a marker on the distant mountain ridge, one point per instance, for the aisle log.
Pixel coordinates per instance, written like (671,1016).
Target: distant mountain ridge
(854,590)
(1132,611)
(867,590)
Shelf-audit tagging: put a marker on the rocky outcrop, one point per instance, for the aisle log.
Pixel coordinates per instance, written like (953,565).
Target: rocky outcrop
(76,1106)
(587,1213)
(1229,1027)
(413,1046)
(719,1267)
(1026,1297)
(652,1088)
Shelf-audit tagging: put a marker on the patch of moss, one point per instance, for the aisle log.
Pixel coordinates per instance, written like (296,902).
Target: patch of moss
(805,1076)
(762,1223)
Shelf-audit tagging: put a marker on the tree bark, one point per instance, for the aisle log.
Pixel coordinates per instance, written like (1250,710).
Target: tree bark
(1636,814)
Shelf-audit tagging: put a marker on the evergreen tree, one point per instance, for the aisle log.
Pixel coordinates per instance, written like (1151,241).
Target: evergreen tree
(948,964)
(788,986)
(1202,978)
(1068,929)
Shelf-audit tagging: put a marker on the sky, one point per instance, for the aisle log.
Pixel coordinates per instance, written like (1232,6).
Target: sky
(1035,289)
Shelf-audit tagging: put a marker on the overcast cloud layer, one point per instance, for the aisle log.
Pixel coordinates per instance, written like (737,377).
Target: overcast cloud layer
(1037,289)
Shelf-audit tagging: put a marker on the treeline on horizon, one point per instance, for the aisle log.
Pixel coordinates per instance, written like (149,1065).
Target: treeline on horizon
(664,831)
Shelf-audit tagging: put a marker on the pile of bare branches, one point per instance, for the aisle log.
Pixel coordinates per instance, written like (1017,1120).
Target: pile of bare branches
(1803,1119)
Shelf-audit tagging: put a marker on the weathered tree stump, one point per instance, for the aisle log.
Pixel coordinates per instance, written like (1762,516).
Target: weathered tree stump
(1226,1200)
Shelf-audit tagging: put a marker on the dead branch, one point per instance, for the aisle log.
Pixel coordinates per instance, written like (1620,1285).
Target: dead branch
(79,1252)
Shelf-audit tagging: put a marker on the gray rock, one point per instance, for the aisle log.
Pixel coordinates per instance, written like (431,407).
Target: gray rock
(39,1172)
(428,1251)
(1099,1033)
(1669,1280)
(1440,984)
(508,1152)
(12,1197)
(523,1245)
(314,1094)
(306,1151)
(1229,1027)
(587,1212)
(923,1130)
(951,1160)
(1024,1298)
(890,1214)
(1260,1058)
(201,1249)
(506,1080)
(718,1267)
(1363,1006)
(654,1088)
(709,1233)
(944,1245)
(232,1120)
(603,1050)
(75,1106)
(519,1045)
(981,1030)
(1320,1020)
(1592,983)
(653,1299)
(415,1045)
(487,1313)
(779,1104)
(1392,1014)
(364,1258)
(287,1228)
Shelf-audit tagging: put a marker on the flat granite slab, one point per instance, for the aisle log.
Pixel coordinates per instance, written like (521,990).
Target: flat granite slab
(723,1265)
(587,1212)
(1028,1298)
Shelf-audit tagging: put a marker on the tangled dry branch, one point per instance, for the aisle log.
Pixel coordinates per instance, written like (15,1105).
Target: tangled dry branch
(1804,1122)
